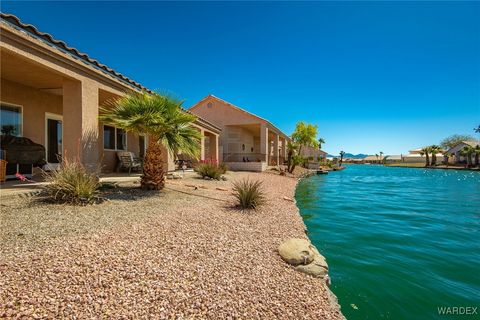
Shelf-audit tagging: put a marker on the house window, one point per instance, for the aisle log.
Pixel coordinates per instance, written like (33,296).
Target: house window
(11,120)
(114,138)
(121,139)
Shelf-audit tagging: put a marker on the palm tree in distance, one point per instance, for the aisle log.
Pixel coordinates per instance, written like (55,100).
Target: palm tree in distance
(434,149)
(425,151)
(165,123)
(342,153)
(320,142)
(477,129)
(477,154)
(467,152)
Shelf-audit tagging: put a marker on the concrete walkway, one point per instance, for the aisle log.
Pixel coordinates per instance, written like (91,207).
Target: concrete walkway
(31,187)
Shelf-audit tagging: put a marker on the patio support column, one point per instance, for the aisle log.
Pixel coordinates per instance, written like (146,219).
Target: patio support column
(80,122)
(264,145)
(202,145)
(214,147)
(276,152)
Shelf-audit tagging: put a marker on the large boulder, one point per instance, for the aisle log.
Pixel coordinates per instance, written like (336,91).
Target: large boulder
(301,254)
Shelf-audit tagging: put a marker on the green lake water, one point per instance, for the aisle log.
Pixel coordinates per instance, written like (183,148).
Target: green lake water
(400,242)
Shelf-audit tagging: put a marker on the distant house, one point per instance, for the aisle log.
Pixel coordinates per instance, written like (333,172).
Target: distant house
(247,141)
(374,159)
(454,153)
(314,156)
(418,156)
(313,153)
(394,158)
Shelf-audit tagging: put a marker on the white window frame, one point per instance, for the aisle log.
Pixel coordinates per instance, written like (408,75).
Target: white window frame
(8,104)
(115,139)
(53,116)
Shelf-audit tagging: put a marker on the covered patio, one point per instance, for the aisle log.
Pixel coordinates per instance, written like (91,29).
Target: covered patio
(51,95)
(253,147)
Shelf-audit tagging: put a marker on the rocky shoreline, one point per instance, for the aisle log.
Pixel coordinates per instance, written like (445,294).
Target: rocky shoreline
(305,257)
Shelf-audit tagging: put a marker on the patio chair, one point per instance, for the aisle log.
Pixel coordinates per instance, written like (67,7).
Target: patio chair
(128,161)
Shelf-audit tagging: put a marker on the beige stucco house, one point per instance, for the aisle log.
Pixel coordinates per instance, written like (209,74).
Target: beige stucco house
(313,153)
(247,141)
(455,153)
(51,93)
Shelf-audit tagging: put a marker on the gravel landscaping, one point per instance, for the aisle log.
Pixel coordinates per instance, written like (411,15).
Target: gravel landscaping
(183,253)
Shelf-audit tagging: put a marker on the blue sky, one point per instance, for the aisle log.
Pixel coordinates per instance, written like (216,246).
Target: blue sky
(378,76)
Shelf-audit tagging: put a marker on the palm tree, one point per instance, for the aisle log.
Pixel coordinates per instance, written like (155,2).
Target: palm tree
(434,149)
(446,157)
(477,154)
(165,123)
(477,129)
(467,152)
(425,151)
(381,156)
(342,153)
(292,150)
(320,142)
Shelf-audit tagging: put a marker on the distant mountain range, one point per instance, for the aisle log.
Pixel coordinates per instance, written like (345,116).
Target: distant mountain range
(349,155)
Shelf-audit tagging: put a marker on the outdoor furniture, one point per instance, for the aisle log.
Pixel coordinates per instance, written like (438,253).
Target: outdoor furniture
(128,161)
(21,155)
(179,163)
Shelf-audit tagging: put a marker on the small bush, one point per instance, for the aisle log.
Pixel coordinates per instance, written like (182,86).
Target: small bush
(211,170)
(223,167)
(72,184)
(249,194)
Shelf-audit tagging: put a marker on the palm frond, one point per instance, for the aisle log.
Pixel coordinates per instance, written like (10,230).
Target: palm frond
(160,116)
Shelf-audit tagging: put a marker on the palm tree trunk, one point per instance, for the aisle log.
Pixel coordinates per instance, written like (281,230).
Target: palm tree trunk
(427,160)
(289,159)
(293,162)
(153,173)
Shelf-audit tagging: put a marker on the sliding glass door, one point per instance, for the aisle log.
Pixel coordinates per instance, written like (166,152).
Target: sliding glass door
(53,143)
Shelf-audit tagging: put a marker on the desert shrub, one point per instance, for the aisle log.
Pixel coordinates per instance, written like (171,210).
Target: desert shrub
(71,183)
(249,194)
(223,167)
(209,170)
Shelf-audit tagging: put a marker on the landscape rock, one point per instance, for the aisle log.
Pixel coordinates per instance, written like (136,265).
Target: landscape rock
(318,268)
(304,257)
(296,251)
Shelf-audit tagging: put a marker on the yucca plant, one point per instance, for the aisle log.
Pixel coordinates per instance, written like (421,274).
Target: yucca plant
(71,183)
(249,194)
(166,124)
